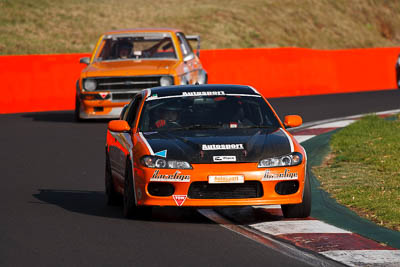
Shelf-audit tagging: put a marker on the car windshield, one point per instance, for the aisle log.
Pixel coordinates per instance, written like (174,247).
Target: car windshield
(148,46)
(206,112)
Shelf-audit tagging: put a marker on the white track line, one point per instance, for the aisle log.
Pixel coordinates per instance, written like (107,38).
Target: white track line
(335,124)
(298,226)
(302,138)
(365,257)
(272,243)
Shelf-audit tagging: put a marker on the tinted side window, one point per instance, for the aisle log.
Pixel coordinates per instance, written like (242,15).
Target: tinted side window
(125,111)
(133,109)
(122,116)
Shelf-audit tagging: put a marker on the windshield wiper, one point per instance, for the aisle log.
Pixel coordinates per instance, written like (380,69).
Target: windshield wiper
(198,126)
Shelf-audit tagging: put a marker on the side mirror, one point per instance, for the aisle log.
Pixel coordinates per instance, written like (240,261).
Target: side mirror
(293,121)
(84,60)
(119,126)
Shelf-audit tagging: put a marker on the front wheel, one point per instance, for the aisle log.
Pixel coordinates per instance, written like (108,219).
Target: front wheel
(112,196)
(303,209)
(77,117)
(130,209)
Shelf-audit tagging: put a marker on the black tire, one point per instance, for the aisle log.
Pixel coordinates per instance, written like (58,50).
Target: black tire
(303,209)
(112,196)
(77,117)
(130,209)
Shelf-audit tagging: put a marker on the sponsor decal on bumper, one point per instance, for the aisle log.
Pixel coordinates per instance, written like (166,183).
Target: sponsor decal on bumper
(274,176)
(103,95)
(175,177)
(226,179)
(224,158)
(179,199)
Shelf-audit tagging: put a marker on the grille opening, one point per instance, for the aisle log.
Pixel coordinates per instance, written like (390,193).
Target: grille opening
(127,83)
(160,189)
(98,109)
(204,190)
(287,187)
(122,96)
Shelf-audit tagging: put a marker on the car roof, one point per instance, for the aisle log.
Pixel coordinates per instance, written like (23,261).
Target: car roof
(204,89)
(136,30)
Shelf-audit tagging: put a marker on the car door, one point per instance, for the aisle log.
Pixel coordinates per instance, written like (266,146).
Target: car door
(120,152)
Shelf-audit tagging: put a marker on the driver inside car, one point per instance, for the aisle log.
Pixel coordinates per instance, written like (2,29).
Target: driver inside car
(168,117)
(125,50)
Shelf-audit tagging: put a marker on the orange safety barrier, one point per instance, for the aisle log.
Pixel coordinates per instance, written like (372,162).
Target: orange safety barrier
(39,82)
(47,82)
(283,72)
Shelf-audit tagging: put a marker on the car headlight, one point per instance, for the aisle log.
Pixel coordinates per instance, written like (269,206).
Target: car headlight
(90,84)
(166,81)
(161,163)
(292,159)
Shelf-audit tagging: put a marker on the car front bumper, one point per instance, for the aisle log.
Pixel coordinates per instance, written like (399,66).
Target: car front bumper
(183,196)
(92,109)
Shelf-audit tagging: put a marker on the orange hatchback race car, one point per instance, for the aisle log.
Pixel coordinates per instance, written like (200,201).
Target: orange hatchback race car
(204,145)
(127,61)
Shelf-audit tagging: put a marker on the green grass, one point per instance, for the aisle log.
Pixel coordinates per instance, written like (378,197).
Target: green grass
(56,26)
(363,170)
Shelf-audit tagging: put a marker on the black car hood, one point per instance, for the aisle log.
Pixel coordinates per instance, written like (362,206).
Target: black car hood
(220,145)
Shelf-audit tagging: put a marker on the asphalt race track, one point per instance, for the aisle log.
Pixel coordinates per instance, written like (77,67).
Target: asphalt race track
(53,211)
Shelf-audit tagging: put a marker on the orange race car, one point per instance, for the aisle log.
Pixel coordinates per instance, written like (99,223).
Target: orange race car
(204,145)
(127,61)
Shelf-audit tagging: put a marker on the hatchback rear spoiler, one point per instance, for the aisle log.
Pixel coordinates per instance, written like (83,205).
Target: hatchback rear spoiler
(197,39)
